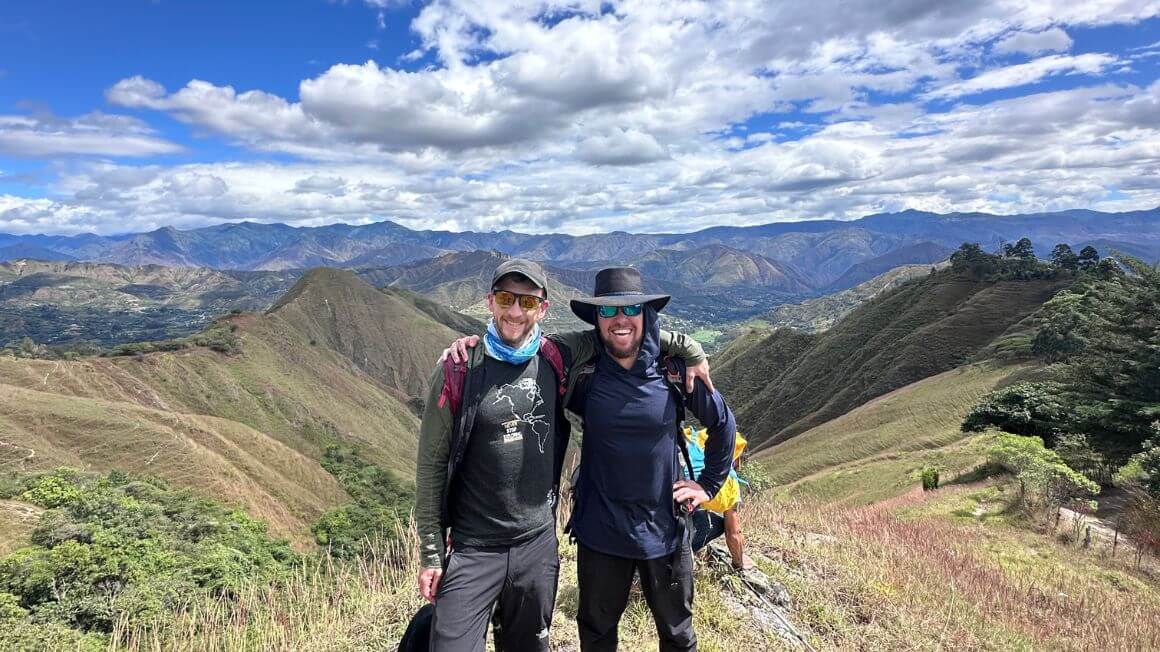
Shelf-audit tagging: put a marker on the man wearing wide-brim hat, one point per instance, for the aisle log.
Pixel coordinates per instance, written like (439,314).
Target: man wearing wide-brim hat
(630,490)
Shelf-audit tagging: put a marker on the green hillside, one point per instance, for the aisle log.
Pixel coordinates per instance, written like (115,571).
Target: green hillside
(873,451)
(821,313)
(384,334)
(785,385)
(325,366)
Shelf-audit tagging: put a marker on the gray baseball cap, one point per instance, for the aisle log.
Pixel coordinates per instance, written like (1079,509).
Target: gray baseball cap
(527,268)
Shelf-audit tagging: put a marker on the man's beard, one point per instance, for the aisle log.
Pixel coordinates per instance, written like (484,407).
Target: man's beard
(626,352)
(526,331)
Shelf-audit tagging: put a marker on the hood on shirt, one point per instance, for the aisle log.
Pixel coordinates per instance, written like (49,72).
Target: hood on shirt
(650,344)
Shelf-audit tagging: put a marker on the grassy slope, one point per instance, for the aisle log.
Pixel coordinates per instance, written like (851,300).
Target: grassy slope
(924,328)
(862,453)
(247,427)
(383,333)
(821,313)
(909,573)
(17,519)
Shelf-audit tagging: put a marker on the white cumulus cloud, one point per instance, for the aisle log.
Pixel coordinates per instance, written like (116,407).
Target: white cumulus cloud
(99,134)
(1048,40)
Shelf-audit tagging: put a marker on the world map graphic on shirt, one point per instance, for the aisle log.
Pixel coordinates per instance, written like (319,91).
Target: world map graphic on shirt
(524,400)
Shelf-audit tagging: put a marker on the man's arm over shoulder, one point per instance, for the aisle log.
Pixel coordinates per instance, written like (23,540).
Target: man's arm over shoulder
(580,344)
(682,346)
(431,473)
(709,407)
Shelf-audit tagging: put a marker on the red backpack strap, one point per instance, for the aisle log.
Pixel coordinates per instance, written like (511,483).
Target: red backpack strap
(551,353)
(454,377)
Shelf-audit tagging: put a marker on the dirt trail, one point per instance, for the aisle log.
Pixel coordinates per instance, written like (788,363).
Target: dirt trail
(18,459)
(1103,531)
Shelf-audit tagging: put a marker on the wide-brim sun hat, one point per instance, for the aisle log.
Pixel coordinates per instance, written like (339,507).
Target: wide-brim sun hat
(616,286)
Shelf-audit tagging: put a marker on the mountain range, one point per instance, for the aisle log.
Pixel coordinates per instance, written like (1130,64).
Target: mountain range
(797,257)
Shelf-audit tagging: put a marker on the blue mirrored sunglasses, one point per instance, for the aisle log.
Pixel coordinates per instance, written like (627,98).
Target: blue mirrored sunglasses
(608,312)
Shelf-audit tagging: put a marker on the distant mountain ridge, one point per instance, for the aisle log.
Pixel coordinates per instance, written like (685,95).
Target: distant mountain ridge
(824,249)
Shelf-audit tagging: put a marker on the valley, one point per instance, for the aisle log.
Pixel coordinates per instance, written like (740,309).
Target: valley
(300,410)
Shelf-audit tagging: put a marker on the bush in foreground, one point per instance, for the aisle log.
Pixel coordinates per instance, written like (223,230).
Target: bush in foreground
(114,547)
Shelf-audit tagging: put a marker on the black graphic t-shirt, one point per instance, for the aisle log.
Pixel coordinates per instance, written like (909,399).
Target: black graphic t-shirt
(505,483)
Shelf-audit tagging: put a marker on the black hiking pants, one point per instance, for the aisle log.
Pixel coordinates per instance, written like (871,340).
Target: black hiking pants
(605,581)
(518,582)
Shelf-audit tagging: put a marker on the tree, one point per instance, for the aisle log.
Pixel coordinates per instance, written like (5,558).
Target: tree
(1022,249)
(971,259)
(1140,479)
(1031,409)
(1064,258)
(1064,323)
(1045,481)
(1088,258)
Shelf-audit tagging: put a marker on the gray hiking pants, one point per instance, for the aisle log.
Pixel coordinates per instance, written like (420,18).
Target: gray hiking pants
(519,581)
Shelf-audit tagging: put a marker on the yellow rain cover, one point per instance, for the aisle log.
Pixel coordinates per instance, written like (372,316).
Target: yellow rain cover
(730,493)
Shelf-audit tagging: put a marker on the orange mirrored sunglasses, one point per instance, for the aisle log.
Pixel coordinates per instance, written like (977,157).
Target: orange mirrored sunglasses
(505,300)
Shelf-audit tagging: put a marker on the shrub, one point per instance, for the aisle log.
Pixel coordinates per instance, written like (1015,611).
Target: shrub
(30,637)
(52,489)
(1024,409)
(1044,480)
(113,548)
(380,501)
(929,477)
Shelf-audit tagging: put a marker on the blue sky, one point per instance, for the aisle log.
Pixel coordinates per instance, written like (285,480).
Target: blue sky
(570,116)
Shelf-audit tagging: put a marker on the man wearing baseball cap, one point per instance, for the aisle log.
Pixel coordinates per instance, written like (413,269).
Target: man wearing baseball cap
(489,472)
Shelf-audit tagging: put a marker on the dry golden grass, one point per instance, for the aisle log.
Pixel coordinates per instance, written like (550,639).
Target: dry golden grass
(933,582)
(17,519)
(247,429)
(903,574)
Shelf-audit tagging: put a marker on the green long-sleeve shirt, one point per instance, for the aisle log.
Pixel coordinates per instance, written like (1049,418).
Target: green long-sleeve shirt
(435,432)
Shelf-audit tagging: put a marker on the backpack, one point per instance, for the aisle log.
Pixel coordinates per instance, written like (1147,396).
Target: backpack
(730,493)
(455,375)
(417,638)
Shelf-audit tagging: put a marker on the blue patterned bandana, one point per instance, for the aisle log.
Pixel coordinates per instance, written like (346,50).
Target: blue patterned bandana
(500,351)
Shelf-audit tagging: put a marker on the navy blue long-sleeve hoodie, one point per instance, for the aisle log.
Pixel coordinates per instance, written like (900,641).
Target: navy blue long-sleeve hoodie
(629,456)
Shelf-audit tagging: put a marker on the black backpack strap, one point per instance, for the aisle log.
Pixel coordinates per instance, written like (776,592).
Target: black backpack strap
(675,376)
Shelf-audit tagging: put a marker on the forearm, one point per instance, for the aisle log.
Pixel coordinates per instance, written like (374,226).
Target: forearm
(710,409)
(429,487)
(431,475)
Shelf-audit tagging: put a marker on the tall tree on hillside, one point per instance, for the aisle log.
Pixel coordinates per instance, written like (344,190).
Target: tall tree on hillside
(971,259)
(1088,258)
(1022,249)
(1122,360)
(1105,330)
(1063,257)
